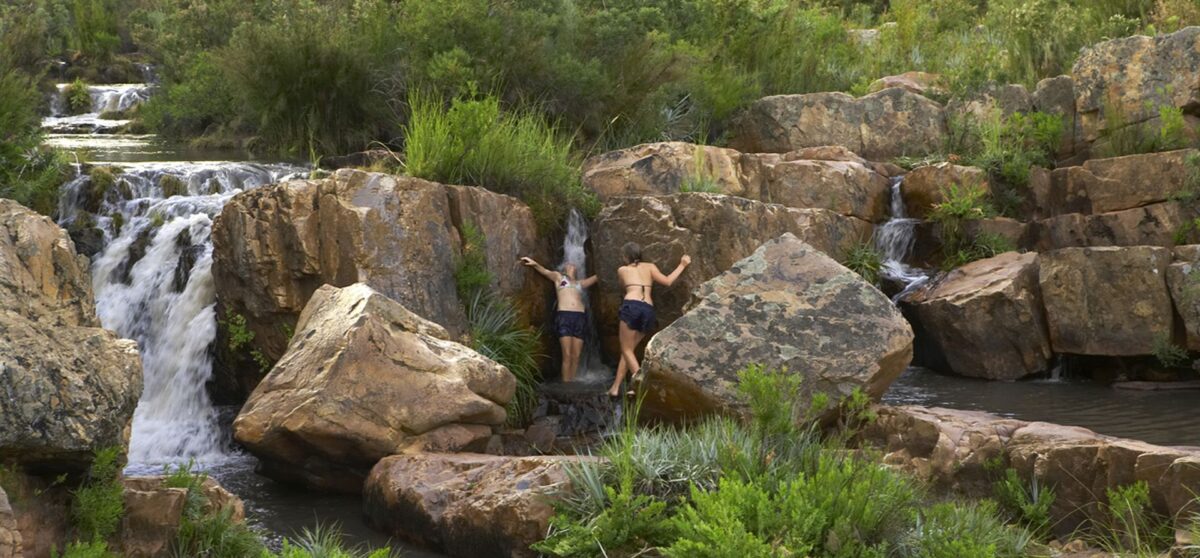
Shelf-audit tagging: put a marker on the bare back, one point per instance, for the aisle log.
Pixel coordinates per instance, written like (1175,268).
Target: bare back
(637,280)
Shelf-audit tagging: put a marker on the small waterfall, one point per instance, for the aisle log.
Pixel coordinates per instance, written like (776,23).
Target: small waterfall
(591,368)
(153,283)
(105,99)
(895,239)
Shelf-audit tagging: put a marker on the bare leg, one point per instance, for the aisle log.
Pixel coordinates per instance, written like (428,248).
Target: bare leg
(629,339)
(567,373)
(576,349)
(615,390)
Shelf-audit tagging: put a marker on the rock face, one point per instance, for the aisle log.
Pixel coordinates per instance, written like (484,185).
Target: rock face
(274,246)
(466,505)
(924,186)
(1183,279)
(951,449)
(845,187)
(1115,184)
(364,378)
(664,168)
(73,385)
(1056,95)
(1136,74)
(154,512)
(921,83)
(1152,225)
(789,306)
(879,126)
(1007,98)
(1106,301)
(11,545)
(986,317)
(716,230)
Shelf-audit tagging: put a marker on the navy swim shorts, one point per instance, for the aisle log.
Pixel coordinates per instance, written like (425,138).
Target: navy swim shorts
(570,324)
(638,315)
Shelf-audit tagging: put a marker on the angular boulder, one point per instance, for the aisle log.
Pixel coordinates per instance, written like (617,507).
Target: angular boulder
(1183,279)
(1136,75)
(845,187)
(879,126)
(1106,301)
(1006,98)
(364,378)
(1114,184)
(786,306)
(72,386)
(154,513)
(11,545)
(274,246)
(1152,225)
(921,83)
(466,505)
(665,168)
(715,230)
(925,186)
(986,317)
(1056,95)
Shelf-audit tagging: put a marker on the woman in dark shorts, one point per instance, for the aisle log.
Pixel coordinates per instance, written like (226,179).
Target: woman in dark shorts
(637,309)
(570,320)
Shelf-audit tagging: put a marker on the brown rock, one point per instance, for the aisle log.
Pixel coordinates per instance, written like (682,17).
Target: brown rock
(925,186)
(154,512)
(1115,184)
(1152,225)
(786,306)
(921,83)
(1136,75)
(847,188)
(466,505)
(716,230)
(986,318)
(664,168)
(1183,279)
(41,276)
(1007,98)
(1106,301)
(274,246)
(365,378)
(1056,95)
(1009,229)
(11,545)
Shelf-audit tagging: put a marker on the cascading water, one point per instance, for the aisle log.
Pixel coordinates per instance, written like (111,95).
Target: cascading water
(104,99)
(895,239)
(153,284)
(591,368)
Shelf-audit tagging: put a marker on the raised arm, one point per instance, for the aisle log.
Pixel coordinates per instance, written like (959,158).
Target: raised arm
(551,275)
(588,282)
(668,280)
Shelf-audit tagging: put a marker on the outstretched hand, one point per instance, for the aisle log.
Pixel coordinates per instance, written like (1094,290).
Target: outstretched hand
(528,262)
(685,260)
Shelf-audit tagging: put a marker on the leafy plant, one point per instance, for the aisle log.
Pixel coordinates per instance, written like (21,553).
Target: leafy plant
(955,530)
(97,505)
(471,274)
(77,98)
(326,541)
(241,337)
(1167,353)
(216,535)
(700,179)
(1133,525)
(90,549)
(864,259)
(1121,137)
(1028,504)
(496,332)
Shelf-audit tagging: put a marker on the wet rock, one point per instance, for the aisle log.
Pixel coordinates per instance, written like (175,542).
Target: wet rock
(1152,225)
(70,386)
(274,246)
(364,378)
(1106,301)
(986,318)
(715,230)
(879,126)
(921,83)
(789,306)
(1136,75)
(666,167)
(154,512)
(1115,184)
(466,505)
(925,186)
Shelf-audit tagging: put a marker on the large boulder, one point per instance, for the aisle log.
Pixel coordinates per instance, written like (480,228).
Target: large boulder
(786,306)
(1151,225)
(1135,76)
(1115,184)
(364,378)
(1106,301)
(274,246)
(72,385)
(845,187)
(716,230)
(466,505)
(1056,95)
(927,185)
(1183,279)
(155,511)
(879,126)
(1006,98)
(11,545)
(666,167)
(986,318)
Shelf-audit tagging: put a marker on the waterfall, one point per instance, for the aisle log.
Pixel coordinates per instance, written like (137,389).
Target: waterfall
(591,368)
(104,99)
(153,283)
(895,239)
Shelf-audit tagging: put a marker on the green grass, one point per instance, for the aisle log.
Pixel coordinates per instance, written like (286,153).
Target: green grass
(471,274)
(497,333)
(700,179)
(864,259)
(29,174)
(1029,504)
(1121,137)
(97,505)
(1167,353)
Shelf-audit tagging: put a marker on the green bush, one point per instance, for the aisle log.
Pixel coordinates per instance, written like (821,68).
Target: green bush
(497,333)
(471,274)
(1030,505)
(1134,527)
(1120,137)
(216,535)
(77,98)
(92,549)
(958,530)
(240,336)
(29,174)
(520,154)
(1007,147)
(700,179)
(1167,353)
(864,259)
(325,541)
(94,31)
(97,505)
(199,101)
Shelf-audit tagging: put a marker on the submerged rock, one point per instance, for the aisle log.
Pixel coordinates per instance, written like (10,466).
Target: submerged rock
(466,505)
(986,318)
(786,306)
(715,230)
(364,378)
(1106,301)
(71,387)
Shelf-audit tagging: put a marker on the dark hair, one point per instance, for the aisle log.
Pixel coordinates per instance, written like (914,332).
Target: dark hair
(633,253)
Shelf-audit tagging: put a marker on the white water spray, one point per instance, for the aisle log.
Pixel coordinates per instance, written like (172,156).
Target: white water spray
(895,239)
(591,368)
(104,99)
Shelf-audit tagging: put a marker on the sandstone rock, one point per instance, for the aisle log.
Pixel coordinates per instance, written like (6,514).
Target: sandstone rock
(72,386)
(1007,98)
(1106,301)
(924,186)
(848,188)
(838,153)
(986,317)
(716,230)
(921,83)
(1007,228)
(466,505)
(154,512)
(274,246)
(1106,185)
(1183,279)
(364,378)
(1136,75)
(663,168)
(11,545)
(787,306)
(1152,225)
(881,125)
(1056,95)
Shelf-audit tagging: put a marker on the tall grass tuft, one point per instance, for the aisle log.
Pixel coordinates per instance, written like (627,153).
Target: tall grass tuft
(98,504)
(497,333)
(865,260)
(473,142)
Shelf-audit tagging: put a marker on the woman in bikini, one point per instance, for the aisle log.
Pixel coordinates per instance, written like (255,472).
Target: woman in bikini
(637,309)
(570,318)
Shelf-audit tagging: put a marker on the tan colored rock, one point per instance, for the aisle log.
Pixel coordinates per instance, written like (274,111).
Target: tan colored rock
(1137,75)
(1056,95)
(847,188)
(41,276)
(1115,184)
(1106,301)
(921,83)
(364,378)
(665,168)
(274,246)
(11,545)
(1007,228)
(840,153)
(1006,98)
(926,186)
(986,318)
(715,230)
(1183,279)
(466,505)
(1152,225)
(879,126)
(786,306)
(154,512)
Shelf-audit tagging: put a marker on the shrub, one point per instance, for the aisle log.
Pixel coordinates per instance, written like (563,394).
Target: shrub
(98,505)
(92,549)
(1029,506)
(325,541)
(496,332)
(956,530)
(94,29)
(961,203)
(520,154)
(1120,137)
(864,259)
(471,274)
(982,245)
(77,98)
(201,100)
(1007,147)
(240,336)
(1167,353)
(216,535)
(1133,525)
(29,174)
